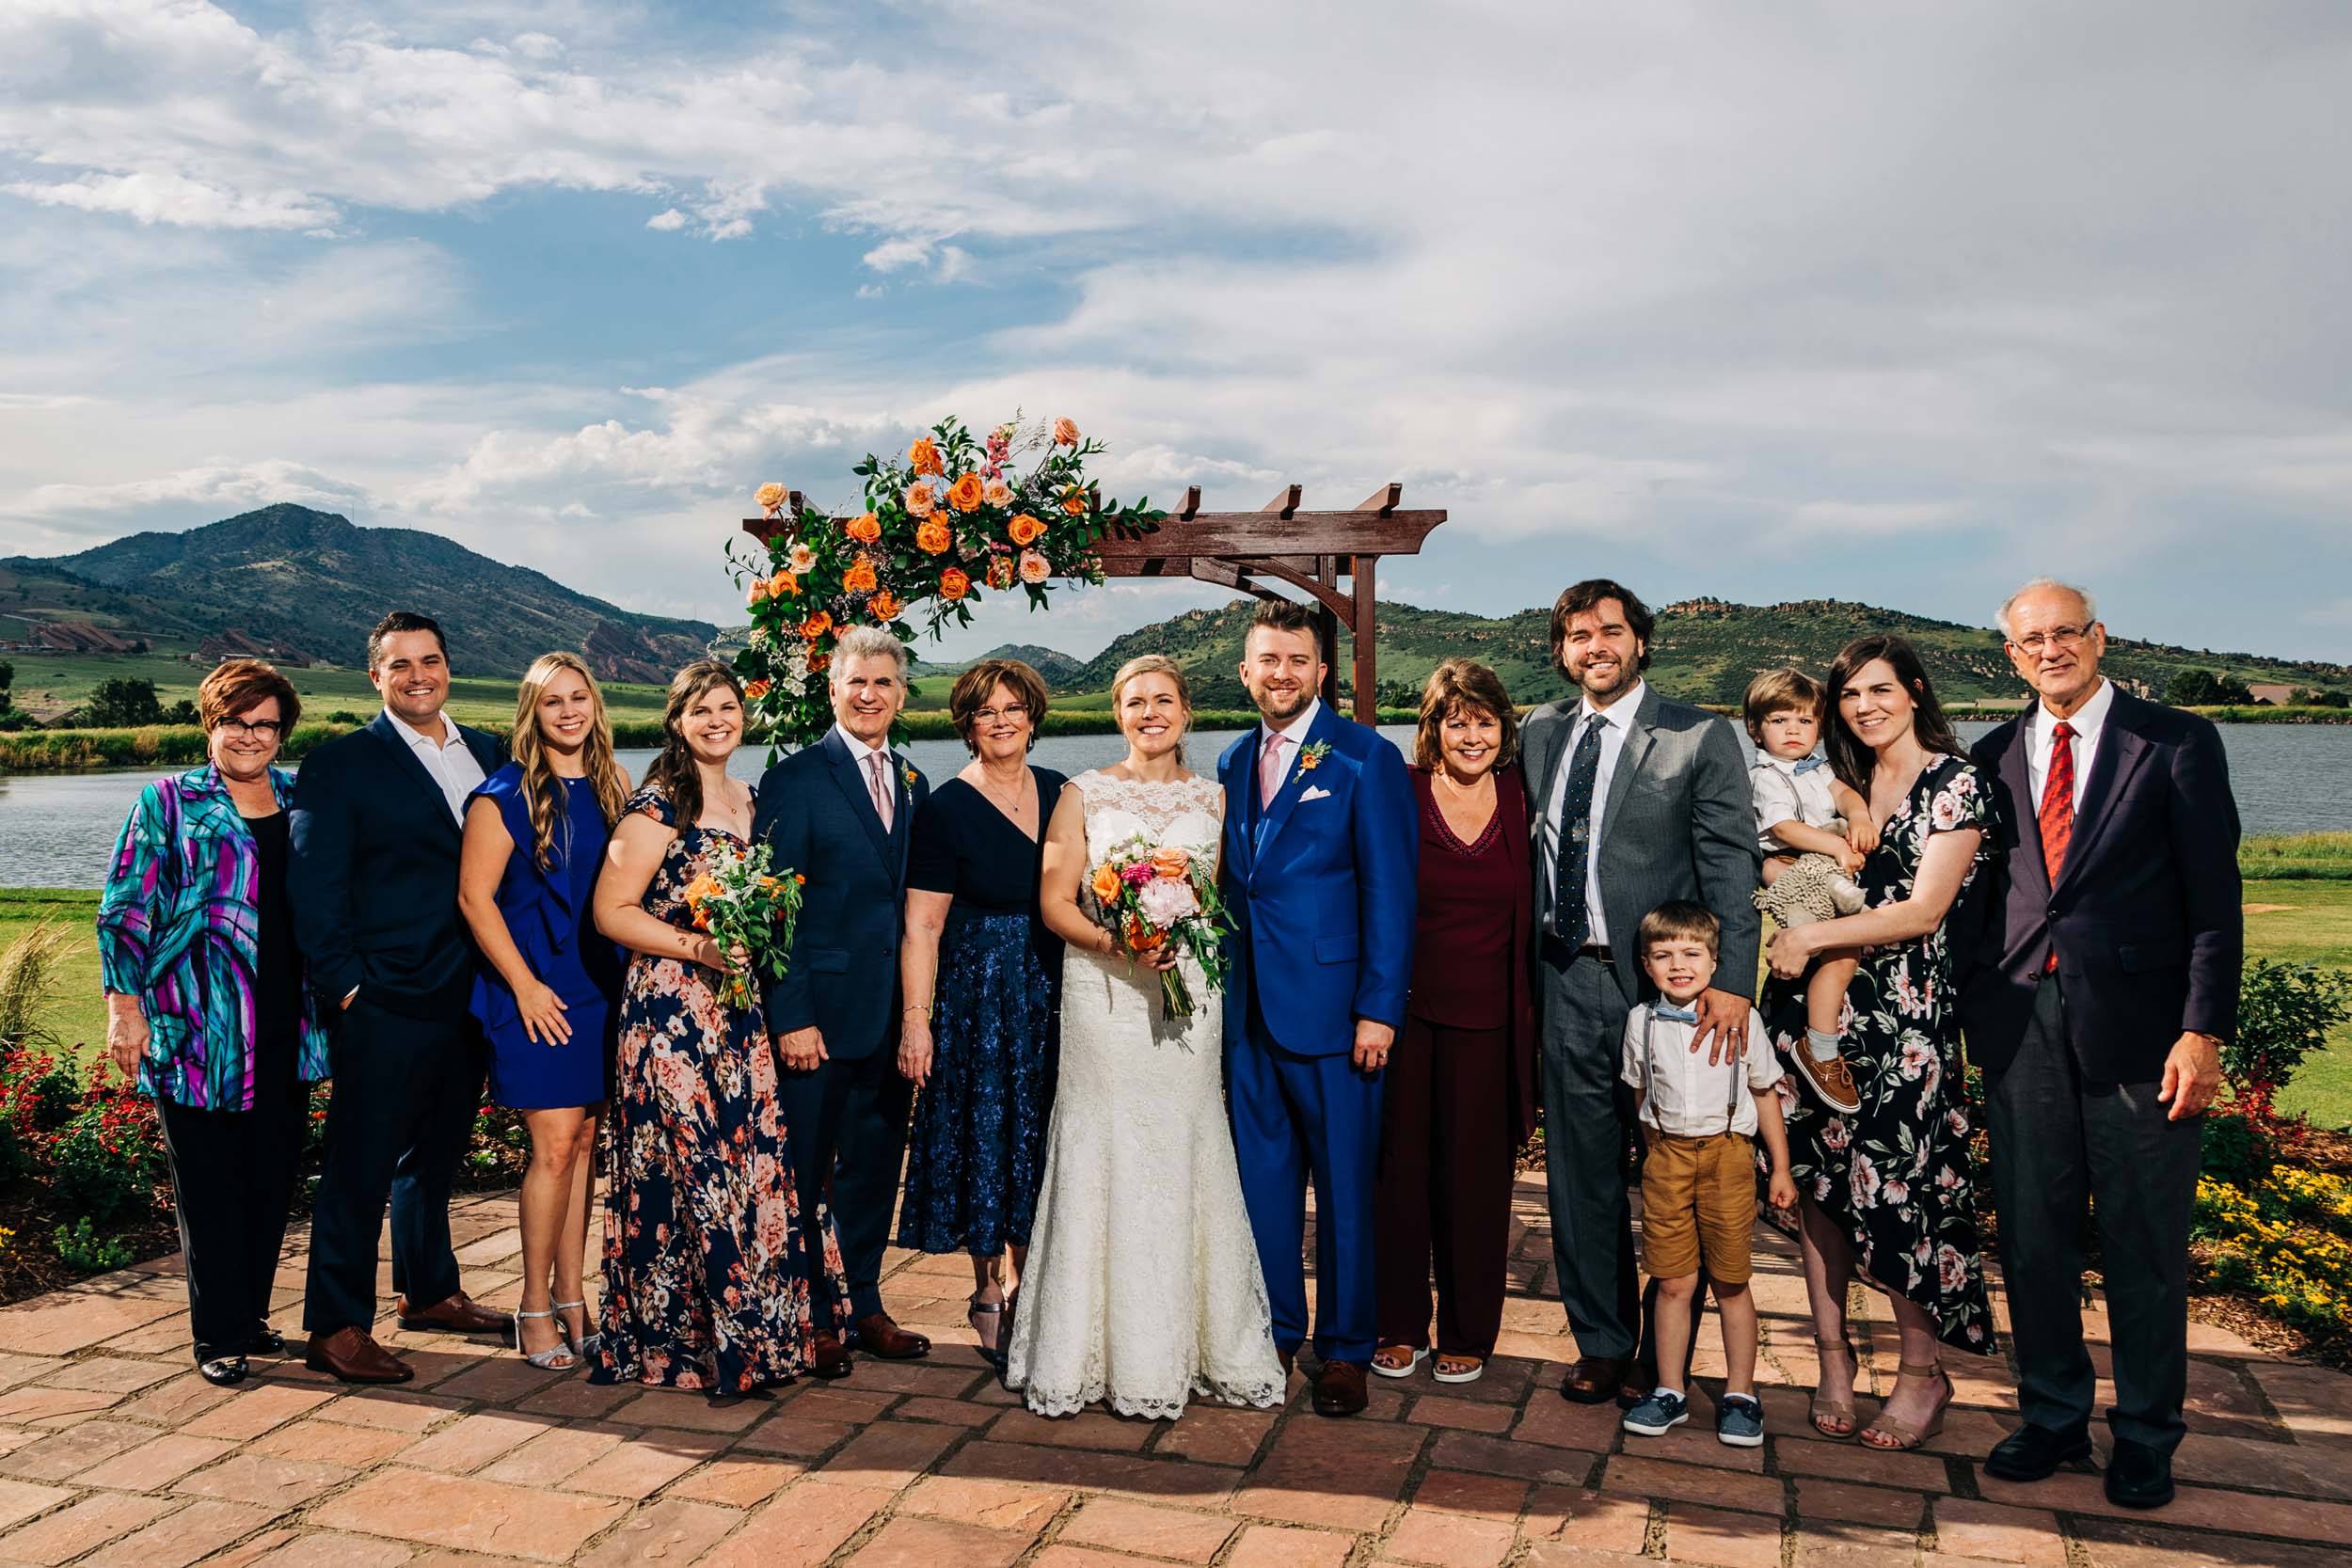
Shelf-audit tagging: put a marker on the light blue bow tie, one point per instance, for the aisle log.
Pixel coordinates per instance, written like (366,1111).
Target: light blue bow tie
(1808,765)
(1673,1013)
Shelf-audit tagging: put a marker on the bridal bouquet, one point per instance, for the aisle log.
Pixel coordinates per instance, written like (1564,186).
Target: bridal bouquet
(749,906)
(1148,894)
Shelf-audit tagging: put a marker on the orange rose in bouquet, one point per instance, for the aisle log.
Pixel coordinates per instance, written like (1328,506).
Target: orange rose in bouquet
(1024,529)
(921,500)
(885,606)
(860,577)
(817,625)
(953,584)
(1075,503)
(964,494)
(933,538)
(784,585)
(1065,433)
(865,528)
(923,457)
(1000,572)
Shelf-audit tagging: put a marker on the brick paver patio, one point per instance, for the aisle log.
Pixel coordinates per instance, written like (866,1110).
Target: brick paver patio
(113,1451)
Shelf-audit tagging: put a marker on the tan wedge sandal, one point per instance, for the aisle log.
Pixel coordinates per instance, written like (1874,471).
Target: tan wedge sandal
(1827,1410)
(1907,1437)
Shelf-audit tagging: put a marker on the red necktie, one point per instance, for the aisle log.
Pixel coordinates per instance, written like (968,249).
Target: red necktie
(2058,806)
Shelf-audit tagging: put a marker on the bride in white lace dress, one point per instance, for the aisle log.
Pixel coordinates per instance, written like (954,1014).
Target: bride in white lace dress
(1142,1287)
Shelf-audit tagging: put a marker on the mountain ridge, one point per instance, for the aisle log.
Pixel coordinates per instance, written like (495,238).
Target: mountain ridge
(308,584)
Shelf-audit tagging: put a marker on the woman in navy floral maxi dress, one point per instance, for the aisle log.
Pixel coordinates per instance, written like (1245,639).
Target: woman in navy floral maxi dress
(1889,1192)
(706,1283)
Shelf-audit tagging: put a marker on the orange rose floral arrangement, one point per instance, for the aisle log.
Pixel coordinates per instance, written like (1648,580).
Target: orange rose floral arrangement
(960,515)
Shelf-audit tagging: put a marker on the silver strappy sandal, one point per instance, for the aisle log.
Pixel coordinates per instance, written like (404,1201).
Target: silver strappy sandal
(557,1357)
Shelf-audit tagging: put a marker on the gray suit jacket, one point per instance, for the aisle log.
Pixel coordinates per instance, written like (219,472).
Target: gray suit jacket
(1680,823)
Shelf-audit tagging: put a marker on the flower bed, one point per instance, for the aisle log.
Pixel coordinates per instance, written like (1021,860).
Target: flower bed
(2285,1241)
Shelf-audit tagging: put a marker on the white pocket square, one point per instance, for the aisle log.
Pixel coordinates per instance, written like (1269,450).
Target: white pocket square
(1314,794)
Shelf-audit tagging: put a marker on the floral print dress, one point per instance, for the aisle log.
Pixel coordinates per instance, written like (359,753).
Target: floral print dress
(1896,1172)
(706,1283)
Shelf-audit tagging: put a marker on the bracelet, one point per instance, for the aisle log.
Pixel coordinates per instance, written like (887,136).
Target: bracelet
(923,1007)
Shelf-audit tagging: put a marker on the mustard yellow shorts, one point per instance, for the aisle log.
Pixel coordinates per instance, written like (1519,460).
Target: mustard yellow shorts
(1699,1203)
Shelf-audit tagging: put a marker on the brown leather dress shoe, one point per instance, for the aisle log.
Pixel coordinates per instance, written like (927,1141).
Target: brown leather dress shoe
(828,1356)
(878,1336)
(1595,1379)
(1338,1388)
(1287,1357)
(353,1356)
(459,1314)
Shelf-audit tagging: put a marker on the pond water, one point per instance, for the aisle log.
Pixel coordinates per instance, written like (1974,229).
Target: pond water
(56,829)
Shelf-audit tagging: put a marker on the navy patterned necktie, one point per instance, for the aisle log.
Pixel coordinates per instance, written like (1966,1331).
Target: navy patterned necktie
(1570,919)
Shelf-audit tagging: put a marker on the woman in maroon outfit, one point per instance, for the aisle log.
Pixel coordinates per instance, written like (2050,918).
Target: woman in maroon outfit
(1460,1095)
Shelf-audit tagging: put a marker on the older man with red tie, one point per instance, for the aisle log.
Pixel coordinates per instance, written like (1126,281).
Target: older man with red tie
(2105,979)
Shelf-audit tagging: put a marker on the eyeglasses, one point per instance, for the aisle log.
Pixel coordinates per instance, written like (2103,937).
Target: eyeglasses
(2038,642)
(265,729)
(1009,712)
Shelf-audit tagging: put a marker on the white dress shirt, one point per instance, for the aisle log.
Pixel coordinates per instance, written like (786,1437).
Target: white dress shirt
(451,763)
(1784,795)
(1616,723)
(2089,720)
(859,751)
(1296,733)
(1691,1097)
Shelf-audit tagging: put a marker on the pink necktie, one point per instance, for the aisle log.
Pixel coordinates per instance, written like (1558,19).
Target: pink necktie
(1270,770)
(882,791)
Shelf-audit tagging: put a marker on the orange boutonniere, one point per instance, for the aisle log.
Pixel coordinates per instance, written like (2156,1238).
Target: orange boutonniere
(906,772)
(1311,758)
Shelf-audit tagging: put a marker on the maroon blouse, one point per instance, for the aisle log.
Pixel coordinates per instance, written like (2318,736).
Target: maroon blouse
(1474,928)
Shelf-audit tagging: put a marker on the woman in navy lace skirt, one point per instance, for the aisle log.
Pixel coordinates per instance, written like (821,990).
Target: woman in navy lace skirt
(979,972)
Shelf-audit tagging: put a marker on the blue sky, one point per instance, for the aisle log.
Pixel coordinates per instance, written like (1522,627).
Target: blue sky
(1889,304)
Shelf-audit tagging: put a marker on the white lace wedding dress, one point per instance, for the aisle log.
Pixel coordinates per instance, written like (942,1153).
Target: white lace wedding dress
(1142,1287)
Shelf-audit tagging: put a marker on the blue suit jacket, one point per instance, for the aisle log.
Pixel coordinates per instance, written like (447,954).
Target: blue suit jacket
(815,809)
(373,878)
(1322,887)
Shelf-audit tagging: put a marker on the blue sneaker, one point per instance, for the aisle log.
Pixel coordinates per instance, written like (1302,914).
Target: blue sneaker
(1658,1414)
(1739,1422)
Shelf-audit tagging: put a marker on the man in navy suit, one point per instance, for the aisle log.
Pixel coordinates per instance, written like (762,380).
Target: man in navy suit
(2102,985)
(1322,849)
(841,813)
(374,884)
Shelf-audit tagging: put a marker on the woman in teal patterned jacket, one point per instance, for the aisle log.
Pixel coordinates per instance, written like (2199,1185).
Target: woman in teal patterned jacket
(206,1001)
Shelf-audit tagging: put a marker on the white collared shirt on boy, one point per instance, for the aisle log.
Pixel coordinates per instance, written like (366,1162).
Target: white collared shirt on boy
(1790,792)
(1689,1096)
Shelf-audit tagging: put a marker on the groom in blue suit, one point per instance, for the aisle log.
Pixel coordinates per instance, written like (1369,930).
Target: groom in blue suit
(1321,851)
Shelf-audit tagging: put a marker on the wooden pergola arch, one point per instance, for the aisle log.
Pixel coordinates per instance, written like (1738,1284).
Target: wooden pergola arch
(1247,551)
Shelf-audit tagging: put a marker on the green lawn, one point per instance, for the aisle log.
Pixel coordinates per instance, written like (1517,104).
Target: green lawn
(77,1011)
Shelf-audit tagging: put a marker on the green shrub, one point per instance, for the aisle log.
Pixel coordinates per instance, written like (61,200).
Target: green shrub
(83,1249)
(2285,1011)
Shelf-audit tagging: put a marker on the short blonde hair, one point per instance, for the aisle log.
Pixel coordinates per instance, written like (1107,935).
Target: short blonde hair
(1456,684)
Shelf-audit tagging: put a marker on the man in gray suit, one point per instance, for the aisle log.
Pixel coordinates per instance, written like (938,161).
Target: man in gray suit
(1640,801)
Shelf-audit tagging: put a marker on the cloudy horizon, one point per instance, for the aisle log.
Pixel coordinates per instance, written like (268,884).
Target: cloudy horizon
(1896,305)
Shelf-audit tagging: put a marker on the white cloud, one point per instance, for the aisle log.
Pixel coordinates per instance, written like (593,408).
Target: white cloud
(1707,288)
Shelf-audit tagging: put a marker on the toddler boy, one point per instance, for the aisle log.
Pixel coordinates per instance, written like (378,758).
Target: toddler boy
(1698,1178)
(1815,834)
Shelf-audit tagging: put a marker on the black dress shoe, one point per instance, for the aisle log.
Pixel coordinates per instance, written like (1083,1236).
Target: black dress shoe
(225,1371)
(2139,1476)
(267,1342)
(2034,1454)
(1595,1379)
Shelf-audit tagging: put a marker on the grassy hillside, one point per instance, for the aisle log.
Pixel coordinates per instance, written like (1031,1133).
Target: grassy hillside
(48,684)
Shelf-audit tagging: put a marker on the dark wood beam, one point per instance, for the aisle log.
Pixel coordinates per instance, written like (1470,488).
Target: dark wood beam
(1264,533)
(1366,630)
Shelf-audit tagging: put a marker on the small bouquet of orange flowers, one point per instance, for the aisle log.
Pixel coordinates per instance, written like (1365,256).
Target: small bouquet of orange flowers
(1146,896)
(749,908)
